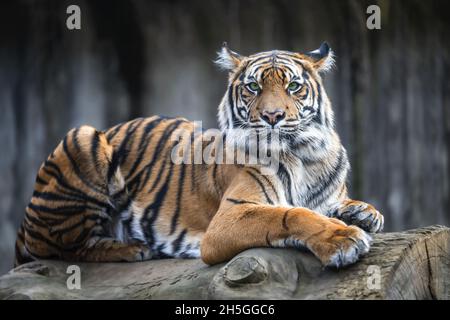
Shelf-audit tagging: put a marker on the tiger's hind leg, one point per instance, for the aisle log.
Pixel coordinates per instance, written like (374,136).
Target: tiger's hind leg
(98,249)
(79,194)
(104,244)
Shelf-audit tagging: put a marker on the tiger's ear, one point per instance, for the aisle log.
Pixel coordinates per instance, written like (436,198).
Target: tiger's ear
(228,59)
(322,58)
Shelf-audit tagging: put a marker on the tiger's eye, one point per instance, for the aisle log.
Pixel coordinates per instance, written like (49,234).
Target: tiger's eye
(293,86)
(253,86)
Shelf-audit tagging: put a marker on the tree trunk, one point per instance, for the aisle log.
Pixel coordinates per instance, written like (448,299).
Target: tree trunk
(403,265)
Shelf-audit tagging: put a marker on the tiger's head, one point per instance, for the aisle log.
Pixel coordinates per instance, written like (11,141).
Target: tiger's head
(279,90)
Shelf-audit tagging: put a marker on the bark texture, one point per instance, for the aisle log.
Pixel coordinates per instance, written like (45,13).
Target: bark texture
(414,264)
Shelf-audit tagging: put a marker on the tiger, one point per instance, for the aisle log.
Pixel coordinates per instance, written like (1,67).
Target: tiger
(117,195)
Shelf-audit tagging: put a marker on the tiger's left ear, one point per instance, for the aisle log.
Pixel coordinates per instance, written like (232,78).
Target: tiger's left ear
(322,58)
(228,59)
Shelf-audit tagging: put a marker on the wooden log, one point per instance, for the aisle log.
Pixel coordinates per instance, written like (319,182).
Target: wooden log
(413,264)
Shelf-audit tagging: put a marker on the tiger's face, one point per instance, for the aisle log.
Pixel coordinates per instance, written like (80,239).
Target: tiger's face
(276,90)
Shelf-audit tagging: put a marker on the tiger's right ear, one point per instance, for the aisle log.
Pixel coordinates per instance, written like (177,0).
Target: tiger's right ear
(228,59)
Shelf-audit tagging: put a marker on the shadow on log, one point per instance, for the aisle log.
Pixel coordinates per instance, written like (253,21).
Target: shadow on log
(405,265)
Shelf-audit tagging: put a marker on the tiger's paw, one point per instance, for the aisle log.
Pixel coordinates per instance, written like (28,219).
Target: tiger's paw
(341,246)
(137,252)
(362,215)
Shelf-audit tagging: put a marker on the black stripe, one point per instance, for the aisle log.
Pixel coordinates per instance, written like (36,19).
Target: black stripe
(73,209)
(286,64)
(261,186)
(214,179)
(35,256)
(20,234)
(308,108)
(122,149)
(268,181)
(82,237)
(297,61)
(40,237)
(161,170)
(61,231)
(239,201)
(35,221)
(258,156)
(50,196)
(331,177)
(176,214)
(284,221)
(84,198)
(285,177)
(234,121)
(21,259)
(235,98)
(113,166)
(39,180)
(318,118)
(75,139)
(160,254)
(49,222)
(114,131)
(259,59)
(157,152)
(62,182)
(242,111)
(120,153)
(268,240)
(193,161)
(305,75)
(145,141)
(94,151)
(176,244)
(155,207)
(52,165)
(76,169)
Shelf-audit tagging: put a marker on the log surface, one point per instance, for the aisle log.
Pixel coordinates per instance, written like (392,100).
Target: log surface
(414,264)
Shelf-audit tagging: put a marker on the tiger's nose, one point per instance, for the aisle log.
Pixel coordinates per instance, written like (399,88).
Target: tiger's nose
(273,117)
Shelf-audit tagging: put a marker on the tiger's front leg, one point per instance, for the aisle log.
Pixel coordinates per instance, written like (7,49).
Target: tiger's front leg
(251,225)
(251,219)
(361,214)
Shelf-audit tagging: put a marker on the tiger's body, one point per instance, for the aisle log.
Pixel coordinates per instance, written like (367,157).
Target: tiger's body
(118,195)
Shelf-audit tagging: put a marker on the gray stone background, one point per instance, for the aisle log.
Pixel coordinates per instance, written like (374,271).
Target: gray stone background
(390,88)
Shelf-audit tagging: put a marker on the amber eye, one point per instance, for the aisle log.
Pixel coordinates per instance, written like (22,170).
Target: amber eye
(294,87)
(253,86)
